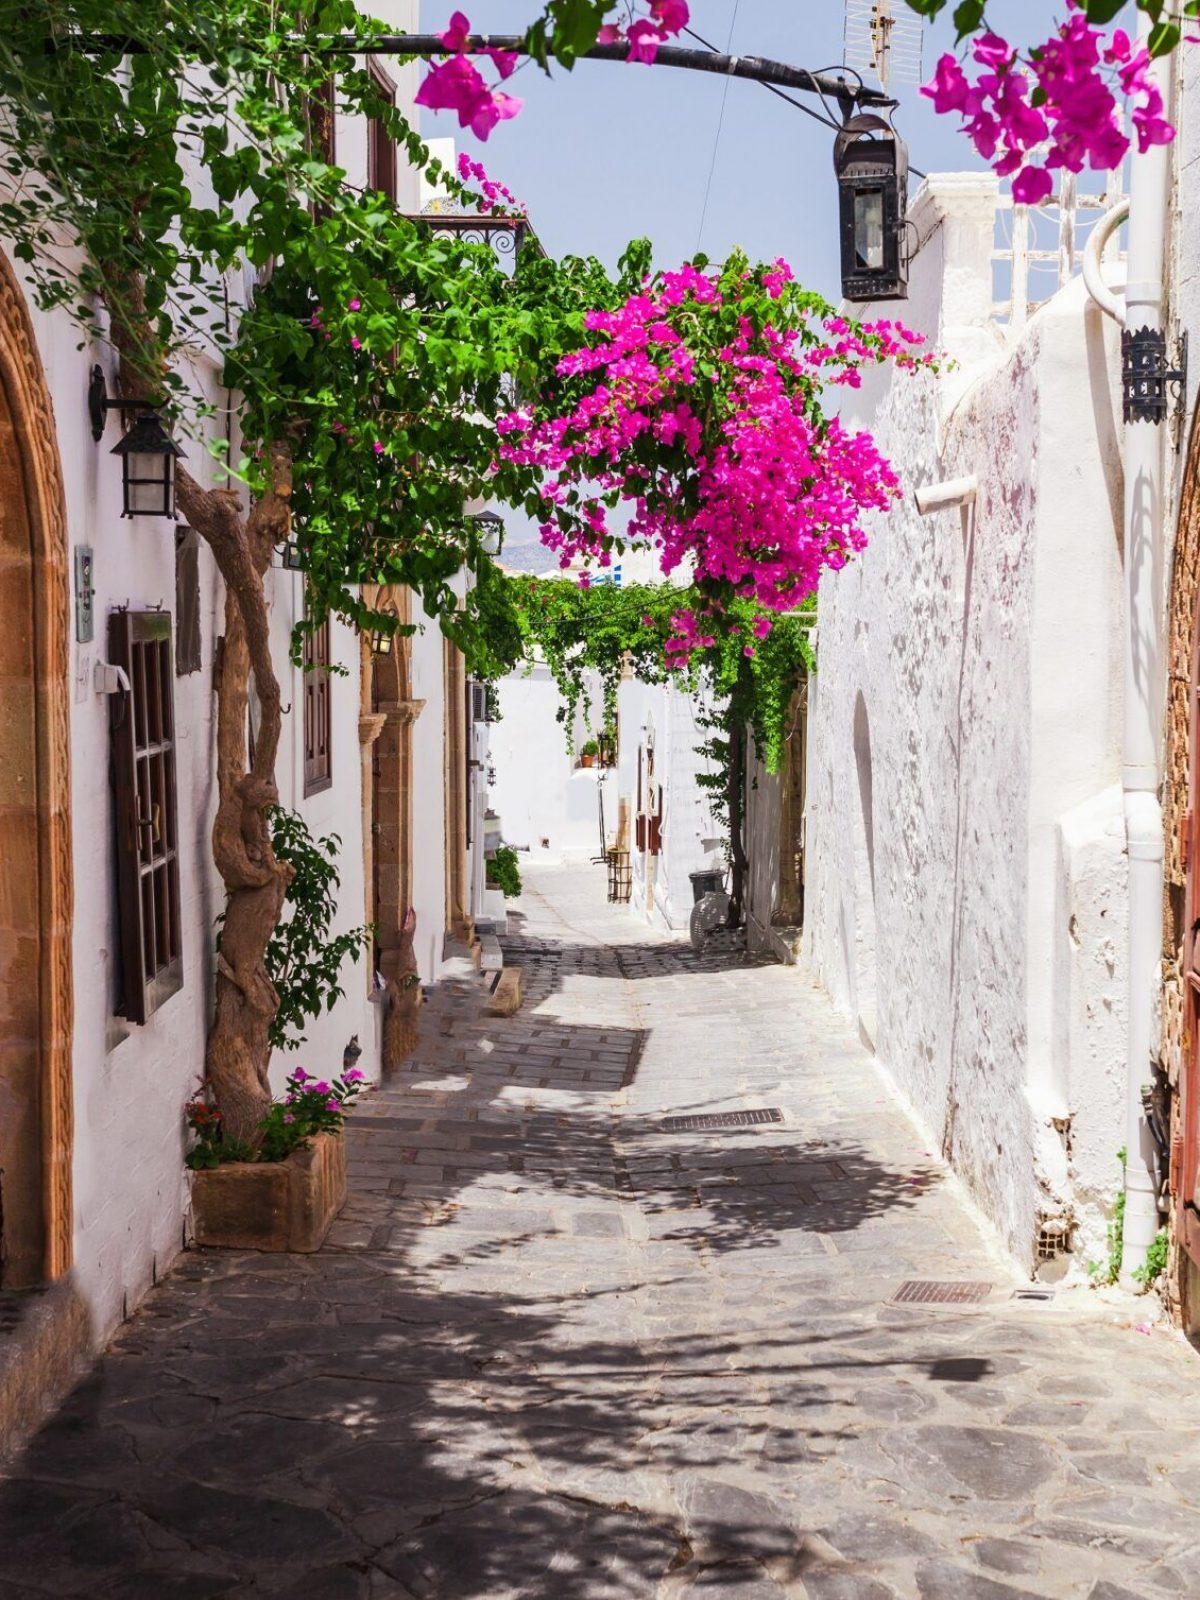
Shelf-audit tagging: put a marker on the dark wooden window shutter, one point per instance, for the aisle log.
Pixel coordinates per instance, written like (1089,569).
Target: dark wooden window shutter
(143,749)
(381,147)
(318,767)
(187,601)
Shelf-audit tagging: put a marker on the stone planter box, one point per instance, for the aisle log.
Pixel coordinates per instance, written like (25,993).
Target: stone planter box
(272,1205)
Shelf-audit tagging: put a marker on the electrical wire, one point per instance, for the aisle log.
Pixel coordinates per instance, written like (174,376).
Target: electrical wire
(712,166)
(826,121)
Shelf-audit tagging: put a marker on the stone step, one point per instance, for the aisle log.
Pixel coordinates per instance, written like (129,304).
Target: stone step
(506,993)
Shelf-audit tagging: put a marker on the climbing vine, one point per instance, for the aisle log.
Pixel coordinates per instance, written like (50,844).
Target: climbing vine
(749,666)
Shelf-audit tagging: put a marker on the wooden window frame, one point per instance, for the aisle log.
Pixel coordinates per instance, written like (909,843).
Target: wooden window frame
(318,711)
(381,147)
(147,822)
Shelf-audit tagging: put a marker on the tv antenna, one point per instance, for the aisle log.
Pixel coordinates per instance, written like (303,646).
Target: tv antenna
(883,37)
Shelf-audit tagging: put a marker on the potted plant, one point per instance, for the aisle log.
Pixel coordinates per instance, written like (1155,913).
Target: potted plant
(282,1190)
(503,872)
(587,756)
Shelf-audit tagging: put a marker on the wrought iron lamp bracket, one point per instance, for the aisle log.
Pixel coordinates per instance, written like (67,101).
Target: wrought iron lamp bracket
(99,404)
(1146,378)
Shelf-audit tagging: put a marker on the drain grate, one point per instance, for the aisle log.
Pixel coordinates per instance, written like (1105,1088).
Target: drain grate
(1035,1296)
(928,1292)
(722,1119)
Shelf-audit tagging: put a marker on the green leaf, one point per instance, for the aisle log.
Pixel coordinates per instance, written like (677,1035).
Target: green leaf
(968,15)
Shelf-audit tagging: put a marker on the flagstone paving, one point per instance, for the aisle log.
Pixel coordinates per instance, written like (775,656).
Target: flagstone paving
(555,1350)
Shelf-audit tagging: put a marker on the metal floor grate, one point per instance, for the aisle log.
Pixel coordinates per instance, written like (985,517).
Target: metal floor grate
(722,1119)
(929,1292)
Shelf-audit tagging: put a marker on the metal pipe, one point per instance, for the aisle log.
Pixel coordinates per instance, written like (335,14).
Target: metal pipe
(757,68)
(1149,194)
(1093,261)
(942,496)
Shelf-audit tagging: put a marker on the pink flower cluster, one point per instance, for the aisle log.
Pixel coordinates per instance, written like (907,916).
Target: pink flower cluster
(1062,96)
(457,84)
(724,458)
(493,199)
(667,18)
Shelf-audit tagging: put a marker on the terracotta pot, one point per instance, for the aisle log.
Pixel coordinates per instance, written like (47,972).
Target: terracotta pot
(587,761)
(272,1205)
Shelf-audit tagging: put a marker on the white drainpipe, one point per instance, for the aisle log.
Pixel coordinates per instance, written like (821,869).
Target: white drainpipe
(1149,194)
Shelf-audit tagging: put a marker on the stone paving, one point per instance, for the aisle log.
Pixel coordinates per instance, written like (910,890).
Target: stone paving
(554,1350)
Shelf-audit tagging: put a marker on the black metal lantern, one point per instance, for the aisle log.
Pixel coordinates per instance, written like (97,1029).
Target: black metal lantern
(491,531)
(871,162)
(382,638)
(148,453)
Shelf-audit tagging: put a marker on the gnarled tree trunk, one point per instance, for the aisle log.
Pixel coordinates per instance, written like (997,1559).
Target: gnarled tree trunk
(239,1050)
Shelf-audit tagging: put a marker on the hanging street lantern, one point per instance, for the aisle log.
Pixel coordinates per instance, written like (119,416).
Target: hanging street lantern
(871,163)
(148,453)
(491,531)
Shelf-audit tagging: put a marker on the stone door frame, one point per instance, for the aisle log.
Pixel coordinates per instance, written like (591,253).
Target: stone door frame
(39,1235)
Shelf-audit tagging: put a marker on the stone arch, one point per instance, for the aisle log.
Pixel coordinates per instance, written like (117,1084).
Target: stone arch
(36,888)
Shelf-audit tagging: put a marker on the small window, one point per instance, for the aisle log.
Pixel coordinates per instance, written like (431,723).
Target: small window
(318,771)
(381,147)
(143,750)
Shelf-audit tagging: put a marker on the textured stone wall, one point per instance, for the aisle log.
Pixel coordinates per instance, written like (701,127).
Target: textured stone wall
(965,867)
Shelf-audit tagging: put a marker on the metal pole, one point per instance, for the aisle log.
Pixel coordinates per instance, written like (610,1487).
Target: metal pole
(848,92)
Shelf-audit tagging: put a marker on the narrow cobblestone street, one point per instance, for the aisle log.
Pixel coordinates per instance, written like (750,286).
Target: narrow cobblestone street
(556,1349)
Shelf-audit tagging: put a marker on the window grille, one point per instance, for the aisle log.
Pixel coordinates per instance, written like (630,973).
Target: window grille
(143,748)
(318,769)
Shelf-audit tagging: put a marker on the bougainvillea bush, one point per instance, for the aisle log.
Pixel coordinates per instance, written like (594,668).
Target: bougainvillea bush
(691,422)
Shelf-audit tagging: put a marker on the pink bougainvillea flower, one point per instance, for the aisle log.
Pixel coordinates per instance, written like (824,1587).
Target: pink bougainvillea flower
(610,33)
(671,15)
(320,1088)
(353,1075)
(355,342)
(755,492)
(1032,185)
(504,61)
(457,34)
(355,305)
(644,39)
(378,448)
(300,1075)
(1062,96)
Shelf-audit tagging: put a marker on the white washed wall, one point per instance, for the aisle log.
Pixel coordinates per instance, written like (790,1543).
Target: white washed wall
(965,850)
(130,1083)
(540,793)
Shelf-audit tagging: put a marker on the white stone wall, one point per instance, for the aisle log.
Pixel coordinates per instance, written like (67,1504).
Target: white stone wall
(965,851)
(547,804)
(130,1083)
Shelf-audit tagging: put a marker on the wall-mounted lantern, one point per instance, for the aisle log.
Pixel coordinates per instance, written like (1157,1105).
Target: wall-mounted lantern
(383,639)
(290,558)
(871,163)
(148,453)
(491,531)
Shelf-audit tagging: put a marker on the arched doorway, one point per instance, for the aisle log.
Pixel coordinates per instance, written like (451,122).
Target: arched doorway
(35,835)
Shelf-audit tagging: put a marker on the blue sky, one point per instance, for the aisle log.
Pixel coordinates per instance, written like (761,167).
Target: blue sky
(610,152)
